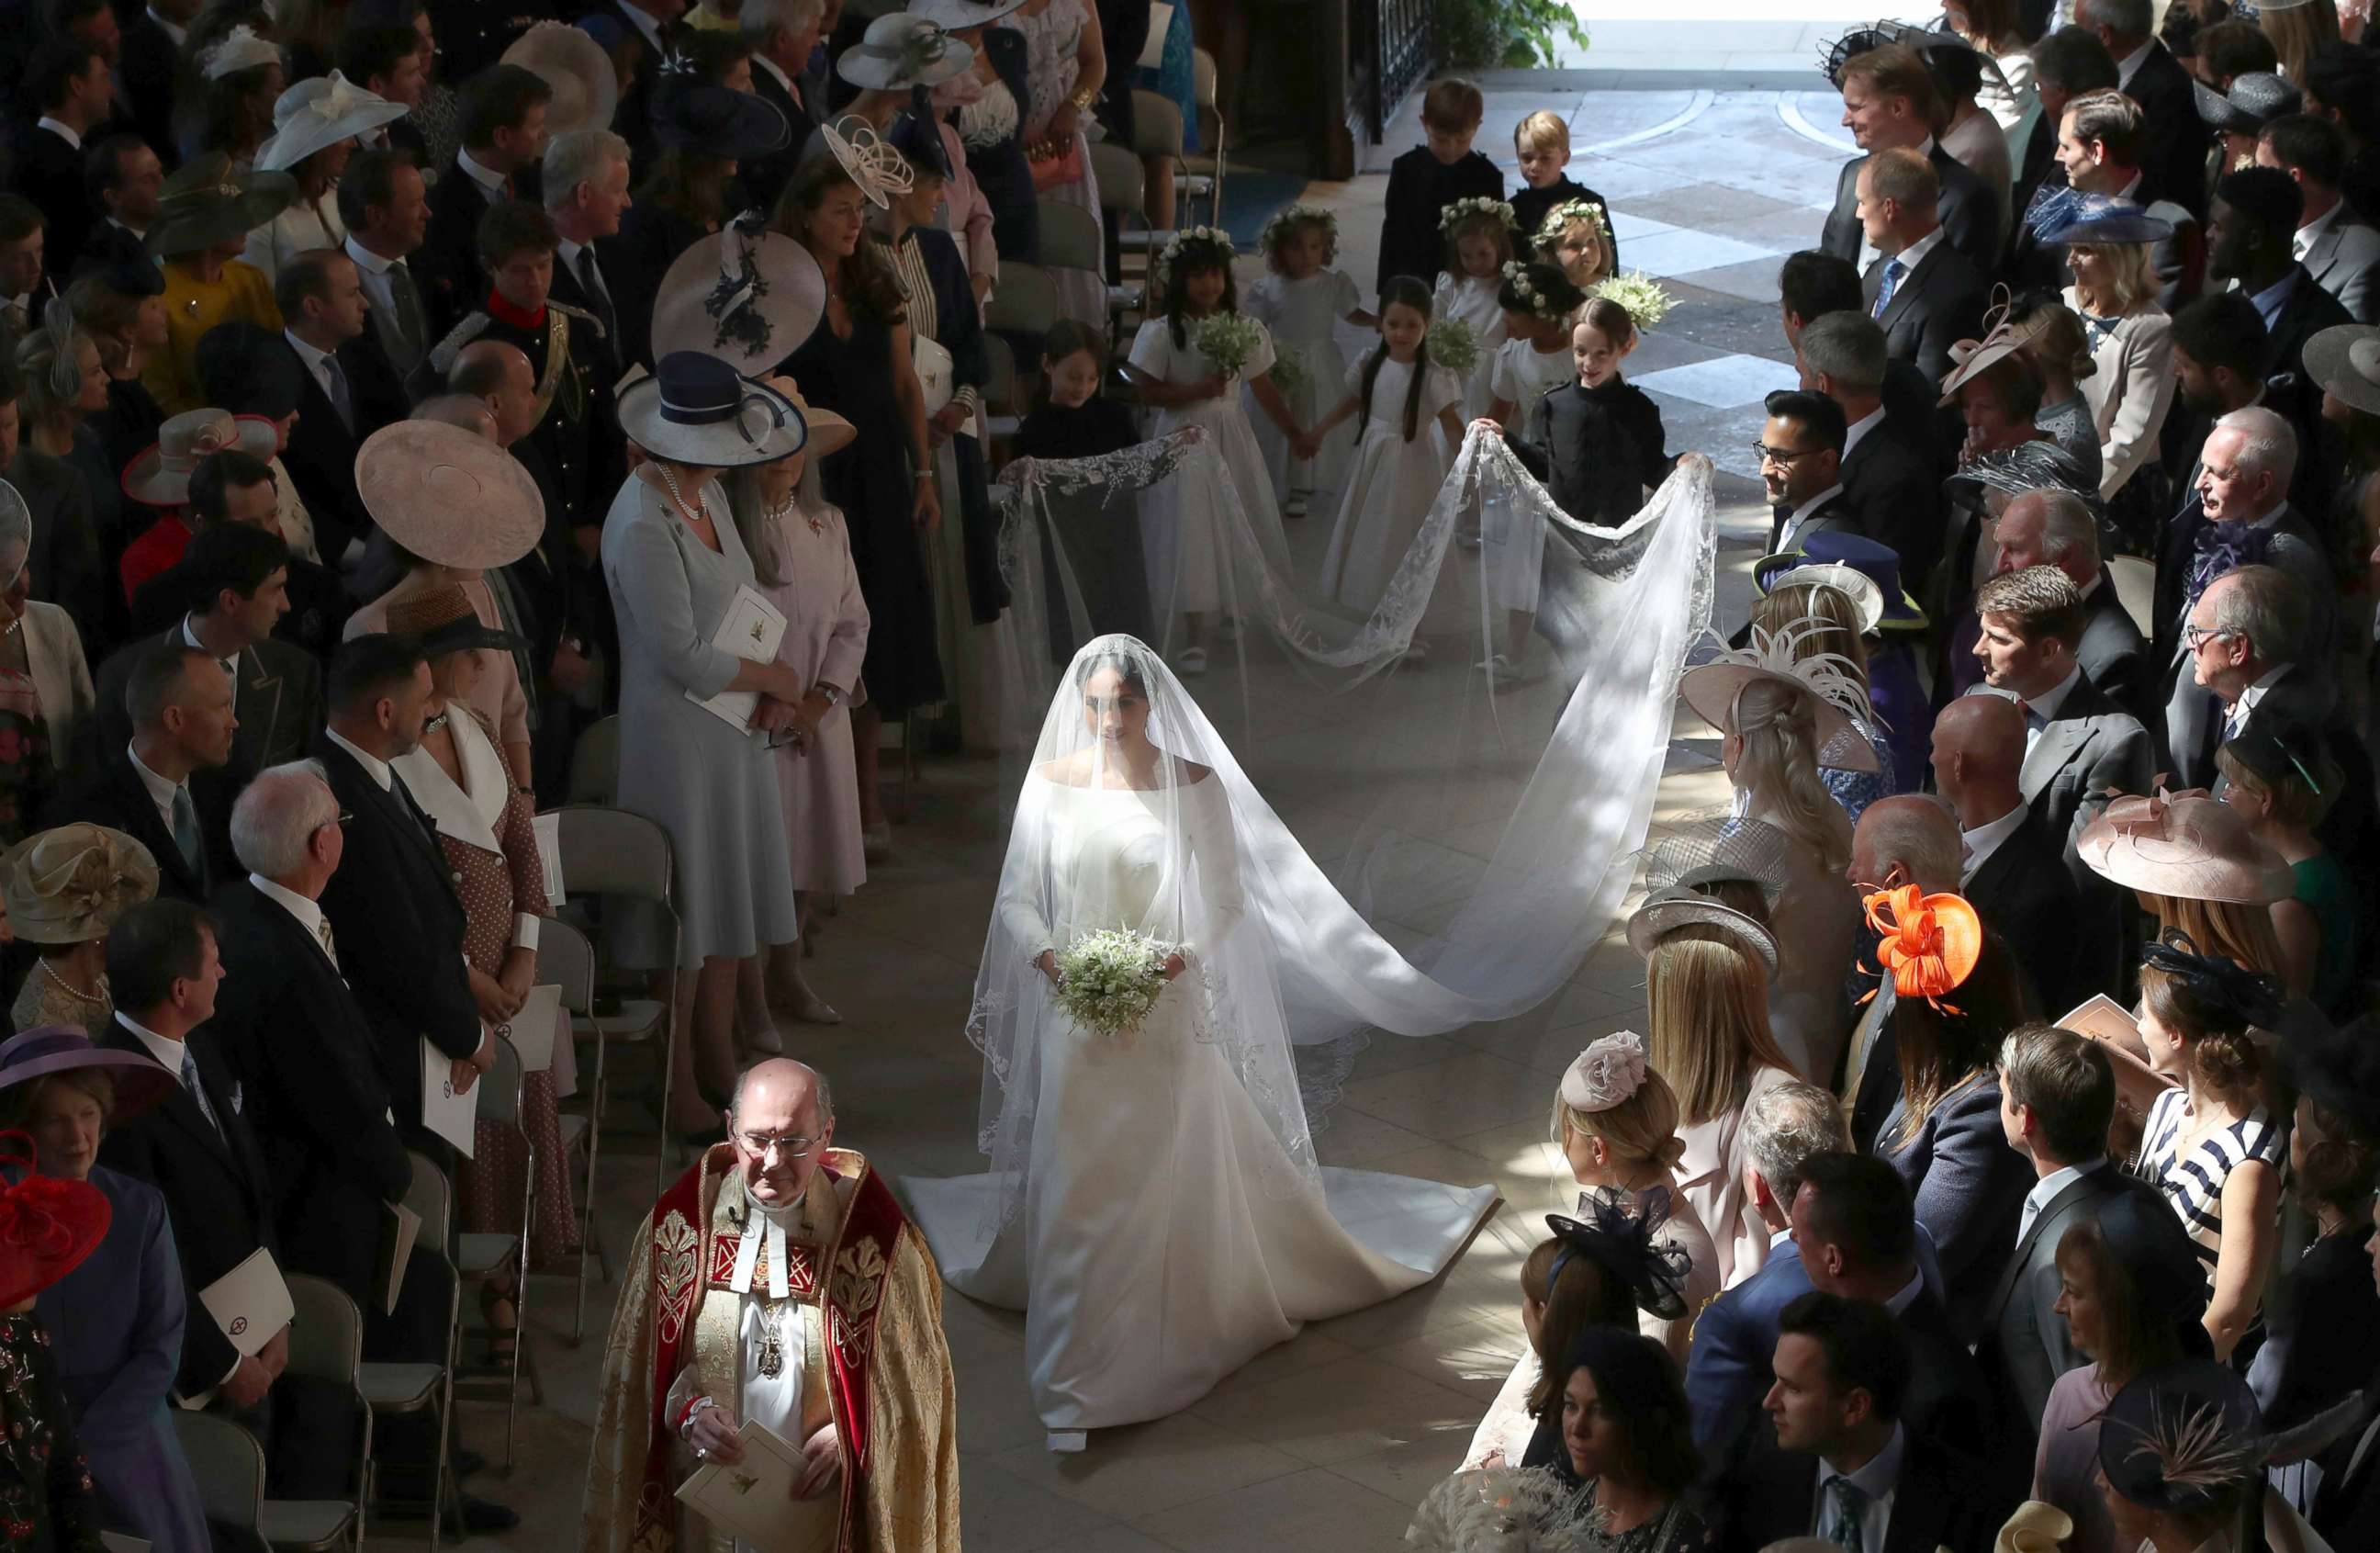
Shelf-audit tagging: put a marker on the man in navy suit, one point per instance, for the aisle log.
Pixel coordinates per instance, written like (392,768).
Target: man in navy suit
(1922,292)
(1838,1453)
(1890,101)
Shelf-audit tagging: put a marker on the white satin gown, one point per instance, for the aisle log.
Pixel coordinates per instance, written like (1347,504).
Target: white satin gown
(1166,1237)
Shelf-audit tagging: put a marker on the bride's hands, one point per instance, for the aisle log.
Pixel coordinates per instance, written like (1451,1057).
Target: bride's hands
(1175,965)
(1046,963)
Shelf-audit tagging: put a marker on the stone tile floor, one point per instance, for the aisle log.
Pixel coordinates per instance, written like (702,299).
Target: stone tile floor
(1327,1441)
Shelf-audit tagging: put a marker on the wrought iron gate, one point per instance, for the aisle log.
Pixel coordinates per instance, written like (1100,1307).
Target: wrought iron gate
(1388,53)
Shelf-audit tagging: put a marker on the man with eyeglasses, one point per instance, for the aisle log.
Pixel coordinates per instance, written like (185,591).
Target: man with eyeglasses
(1801,453)
(778,1287)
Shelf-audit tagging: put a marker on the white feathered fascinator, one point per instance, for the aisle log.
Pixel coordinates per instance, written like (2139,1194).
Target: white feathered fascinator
(876,167)
(1832,681)
(1500,1510)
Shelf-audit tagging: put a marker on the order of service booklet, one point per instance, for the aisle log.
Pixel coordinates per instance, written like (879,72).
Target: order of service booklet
(754,1498)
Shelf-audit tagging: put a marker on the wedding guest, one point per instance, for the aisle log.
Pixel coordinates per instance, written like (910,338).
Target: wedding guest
(2277,774)
(1903,840)
(2148,74)
(2341,253)
(1821,623)
(45,692)
(1624,1427)
(1996,31)
(57,1503)
(1707,983)
(203,217)
(2132,1299)
(801,557)
(2182,1453)
(63,889)
(1927,294)
(1889,484)
(1890,102)
(1616,1123)
(2194,865)
(2264,606)
(115,1321)
(1580,1277)
(2057,528)
(314,128)
(2210,1144)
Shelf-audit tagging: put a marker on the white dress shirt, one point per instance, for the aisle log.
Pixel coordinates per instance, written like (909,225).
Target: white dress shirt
(66,132)
(2131,62)
(372,269)
(228,665)
(1785,536)
(650,27)
(2044,707)
(317,363)
(2045,1190)
(566,258)
(1914,255)
(1985,840)
(1879,1479)
(374,766)
(161,791)
(307,913)
(2310,233)
(1860,428)
(169,1054)
(2234,717)
(493,183)
(173,29)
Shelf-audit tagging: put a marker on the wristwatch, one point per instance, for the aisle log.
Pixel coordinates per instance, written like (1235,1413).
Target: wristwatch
(834,692)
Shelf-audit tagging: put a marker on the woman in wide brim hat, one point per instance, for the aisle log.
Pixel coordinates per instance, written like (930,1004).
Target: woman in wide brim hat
(319,114)
(585,88)
(2104,220)
(749,296)
(56,1225)
(677,566)
(63,889)
(160,475)
(958,16)
(447,496)
(211,201)
(2345,359)
(720,121)
(901,51)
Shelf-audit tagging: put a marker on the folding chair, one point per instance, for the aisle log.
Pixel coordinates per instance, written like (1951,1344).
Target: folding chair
(611,851)
(1124,200)
(482,1259)
(1156,131)
(326,1344)
(1024,302)
(595,765)
(229,1467)
(393,1389)
(566,960)
(1070,237)
(1205,168)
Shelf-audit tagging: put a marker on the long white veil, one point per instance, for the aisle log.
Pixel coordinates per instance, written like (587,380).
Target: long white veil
(1384,845)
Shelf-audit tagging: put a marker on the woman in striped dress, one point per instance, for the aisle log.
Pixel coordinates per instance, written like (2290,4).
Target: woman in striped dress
(2211,1145)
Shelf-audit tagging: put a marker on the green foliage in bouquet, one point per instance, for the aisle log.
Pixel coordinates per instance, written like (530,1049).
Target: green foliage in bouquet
(1109,980)
(1646,302)
(1452,346)
(1227,340)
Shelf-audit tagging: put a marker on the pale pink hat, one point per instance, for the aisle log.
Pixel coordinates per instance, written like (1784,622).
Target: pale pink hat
(2186,845)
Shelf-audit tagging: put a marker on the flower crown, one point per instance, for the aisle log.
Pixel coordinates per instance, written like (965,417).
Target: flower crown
(1188,243)
(1461,211)
(1516,280)
(1562,217)
(1281,223)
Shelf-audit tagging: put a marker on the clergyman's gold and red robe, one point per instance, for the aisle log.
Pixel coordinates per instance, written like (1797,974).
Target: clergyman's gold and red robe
(872,1282)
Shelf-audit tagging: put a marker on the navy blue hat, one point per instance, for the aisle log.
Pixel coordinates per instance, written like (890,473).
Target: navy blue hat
(2101,218)
(719,121)
(920,142)
(1880,564)
(2183,1436)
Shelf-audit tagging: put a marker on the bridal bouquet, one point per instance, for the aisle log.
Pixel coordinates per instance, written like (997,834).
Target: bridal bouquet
(1109,980)
(1227,340)
(1452,346)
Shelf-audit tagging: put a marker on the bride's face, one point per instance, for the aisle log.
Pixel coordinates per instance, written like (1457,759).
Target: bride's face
(1115,710)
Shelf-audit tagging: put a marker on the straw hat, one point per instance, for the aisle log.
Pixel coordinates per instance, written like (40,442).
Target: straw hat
(159,475)
(586,90)
(319,113)
(211,201)
(750,298)
(1711,689)
(1677,908)
(2253,101)
(70,885)
(441,620)
(58,1224)
(2345,359)
(451,497)
(900,51)
(695,409)
(829,432)
(139,1081)
(2186,845)
(2036,1527)
(957,16)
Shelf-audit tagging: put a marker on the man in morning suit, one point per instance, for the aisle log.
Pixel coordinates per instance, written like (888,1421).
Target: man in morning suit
(1838,1456)
(385,205)
(783,34)
(2014,873)
(503,124)
(242,576)
(586,188)
(200,1150)
(1924,294)
(2079,745)
(306,1057)
(1891,490)
(1800,457)
(1889,101)
(2066,64)
(2056,528)
(394,891)
(179,702)
(2149,74)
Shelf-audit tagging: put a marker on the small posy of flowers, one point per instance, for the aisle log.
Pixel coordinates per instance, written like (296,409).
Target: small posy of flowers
(1228,340)
(1454,345)
(1289,373)
(1646,301)
(1186,242)
(1461,210)
(1290,217)
(1109,980)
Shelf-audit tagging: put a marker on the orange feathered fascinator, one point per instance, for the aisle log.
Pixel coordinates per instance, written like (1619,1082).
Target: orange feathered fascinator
(1930,942)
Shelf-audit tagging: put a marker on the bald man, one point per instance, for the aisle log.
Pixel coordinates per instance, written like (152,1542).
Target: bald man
(2014,873)
(498,373)
(778,1284)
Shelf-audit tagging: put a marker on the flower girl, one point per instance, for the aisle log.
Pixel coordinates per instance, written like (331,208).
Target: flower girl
(1301,298)
(1478,247)
(1176,360)
(1403,403)
(1538,301)
(1576,234)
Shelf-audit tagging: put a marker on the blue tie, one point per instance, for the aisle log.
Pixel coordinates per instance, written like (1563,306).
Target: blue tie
(1893,271)
(1839,1519)
(198,1091)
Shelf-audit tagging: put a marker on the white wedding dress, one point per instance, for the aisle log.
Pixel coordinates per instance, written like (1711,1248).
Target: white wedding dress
(1166,1233)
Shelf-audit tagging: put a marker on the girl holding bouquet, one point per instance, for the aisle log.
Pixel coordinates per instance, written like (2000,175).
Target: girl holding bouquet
(1185,363)
(1302,299)
(1406,408)
(1478,247)
(1153,1205)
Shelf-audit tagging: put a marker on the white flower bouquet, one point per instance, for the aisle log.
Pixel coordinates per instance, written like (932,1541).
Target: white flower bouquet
(1454,345)
(1646,301)
(1227,340)
(1109,980)
(1289,373)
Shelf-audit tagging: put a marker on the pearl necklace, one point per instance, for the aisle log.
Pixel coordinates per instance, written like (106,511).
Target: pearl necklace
(693,514)
(778,514)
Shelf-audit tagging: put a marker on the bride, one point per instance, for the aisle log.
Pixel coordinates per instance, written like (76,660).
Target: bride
(1153,1205)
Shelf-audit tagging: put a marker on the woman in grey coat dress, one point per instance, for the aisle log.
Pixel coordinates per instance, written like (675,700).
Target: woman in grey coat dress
(676,568)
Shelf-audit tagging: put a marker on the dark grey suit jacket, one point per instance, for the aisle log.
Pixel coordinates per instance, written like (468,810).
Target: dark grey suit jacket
(2091,747)
(2112,650)
(1935,305)
(2025,1346)
(2345,261)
